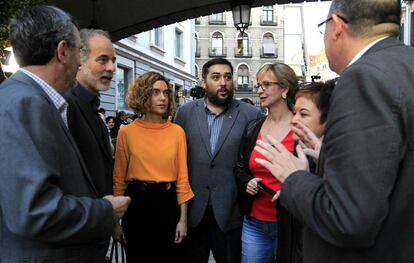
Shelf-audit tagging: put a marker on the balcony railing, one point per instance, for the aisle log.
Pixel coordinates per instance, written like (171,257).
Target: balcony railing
(268,20)
(217,52)
(244,87)
(243,52)
(268,53)
(217,19)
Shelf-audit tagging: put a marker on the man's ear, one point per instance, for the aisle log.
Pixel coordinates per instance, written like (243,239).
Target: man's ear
(203,83)
(339,26)
(62,51)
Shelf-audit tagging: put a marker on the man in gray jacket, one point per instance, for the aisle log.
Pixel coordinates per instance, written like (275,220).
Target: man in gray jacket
(50,209)
(214,127)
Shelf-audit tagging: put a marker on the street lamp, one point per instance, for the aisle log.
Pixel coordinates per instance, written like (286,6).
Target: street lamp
(241,14)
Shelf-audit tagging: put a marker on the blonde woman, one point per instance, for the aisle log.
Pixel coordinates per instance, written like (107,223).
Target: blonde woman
(276,86)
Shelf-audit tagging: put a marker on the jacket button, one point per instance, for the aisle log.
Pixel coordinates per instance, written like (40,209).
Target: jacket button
(208,187)
(212,165)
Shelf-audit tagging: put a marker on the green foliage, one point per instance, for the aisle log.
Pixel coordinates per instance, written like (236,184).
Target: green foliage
(7,10)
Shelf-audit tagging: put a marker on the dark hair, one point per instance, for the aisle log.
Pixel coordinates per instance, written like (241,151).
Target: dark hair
(36,31)
(107,119)
(320,93)
(140,90)
(368,17)
(85,36)
(287,78)
(121,113)
(102,110)
(212,62)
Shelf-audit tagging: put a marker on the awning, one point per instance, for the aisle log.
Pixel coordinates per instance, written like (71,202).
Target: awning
(123,18)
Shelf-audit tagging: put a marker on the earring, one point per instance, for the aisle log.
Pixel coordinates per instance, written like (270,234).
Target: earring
(284,96)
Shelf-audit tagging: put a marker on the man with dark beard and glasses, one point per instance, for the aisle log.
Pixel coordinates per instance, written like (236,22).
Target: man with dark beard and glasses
(214,127)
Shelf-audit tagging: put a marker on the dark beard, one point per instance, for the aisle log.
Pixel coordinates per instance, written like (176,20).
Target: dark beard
(215,100)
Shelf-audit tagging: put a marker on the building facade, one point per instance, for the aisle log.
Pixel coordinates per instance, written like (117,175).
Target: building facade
(262,43)
(168,50)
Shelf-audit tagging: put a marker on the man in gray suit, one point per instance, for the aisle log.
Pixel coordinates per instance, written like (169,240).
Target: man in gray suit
(358,208)
(49,206)
(214,127)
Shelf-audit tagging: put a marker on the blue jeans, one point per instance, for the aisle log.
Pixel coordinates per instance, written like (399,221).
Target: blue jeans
(259,241)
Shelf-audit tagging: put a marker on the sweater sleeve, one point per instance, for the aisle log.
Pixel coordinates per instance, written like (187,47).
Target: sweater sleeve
(184,192)
(121,163)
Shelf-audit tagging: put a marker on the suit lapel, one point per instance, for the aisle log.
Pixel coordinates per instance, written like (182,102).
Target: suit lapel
(230,117)
(99,131)
(75,148)
(202,122)
(24,78)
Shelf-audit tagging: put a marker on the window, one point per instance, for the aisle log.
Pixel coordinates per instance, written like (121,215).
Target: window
(243,77)
(197,21)
(217,19)
(243,46)
(178,44)
(159,37)
(267,17)
(123,79)
(197,48)
(412,30)
(268,46)
(217,49)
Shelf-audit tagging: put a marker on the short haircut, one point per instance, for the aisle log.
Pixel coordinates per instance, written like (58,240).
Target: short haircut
(85,36)
(369,17)
(140,90)
(121,113)
(287,78)
(107,119)
(212,62)
(36,31)
(320,93)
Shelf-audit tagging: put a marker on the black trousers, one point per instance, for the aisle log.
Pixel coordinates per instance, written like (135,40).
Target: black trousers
(226,246)
(150,222)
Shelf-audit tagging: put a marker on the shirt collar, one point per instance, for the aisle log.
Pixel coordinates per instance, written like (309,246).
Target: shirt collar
(210,112)
(58,101)
(364,50)
(93,100)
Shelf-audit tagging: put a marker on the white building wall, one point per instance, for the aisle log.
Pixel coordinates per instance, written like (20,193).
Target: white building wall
(138,54)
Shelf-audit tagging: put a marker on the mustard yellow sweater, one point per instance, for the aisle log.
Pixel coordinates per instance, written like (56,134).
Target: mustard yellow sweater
(152,152)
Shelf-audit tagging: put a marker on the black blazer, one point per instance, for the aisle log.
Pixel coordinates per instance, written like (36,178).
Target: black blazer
(91,136)
(358,208)
(289,228)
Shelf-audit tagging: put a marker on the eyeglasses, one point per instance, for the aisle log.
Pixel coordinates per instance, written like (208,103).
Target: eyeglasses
(322,26)
(265,85)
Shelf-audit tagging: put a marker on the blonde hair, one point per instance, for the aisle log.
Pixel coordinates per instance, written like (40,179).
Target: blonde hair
(287,78)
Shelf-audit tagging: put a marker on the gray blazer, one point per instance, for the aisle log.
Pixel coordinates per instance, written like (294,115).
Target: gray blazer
(48,210)
(360,209)
(211,174)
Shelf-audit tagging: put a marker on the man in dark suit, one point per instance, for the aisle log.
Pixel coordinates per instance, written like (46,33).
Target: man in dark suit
(85,124)
(49,205)
(214,127)
(358,208)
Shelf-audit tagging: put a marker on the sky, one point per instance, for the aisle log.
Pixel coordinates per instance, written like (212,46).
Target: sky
(314,13)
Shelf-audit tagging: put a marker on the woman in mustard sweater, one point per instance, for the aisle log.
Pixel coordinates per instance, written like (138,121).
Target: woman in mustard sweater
(151,168)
